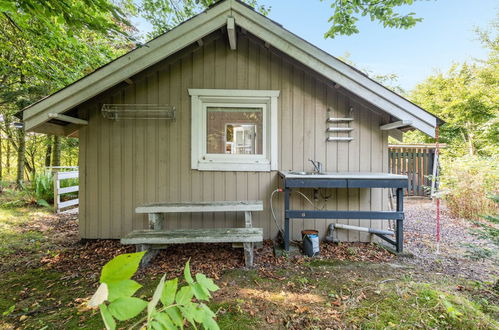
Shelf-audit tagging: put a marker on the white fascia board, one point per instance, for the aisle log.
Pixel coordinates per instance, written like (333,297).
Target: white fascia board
(333,69)
(395,124)
(68,119)
(234,92)
(128,65)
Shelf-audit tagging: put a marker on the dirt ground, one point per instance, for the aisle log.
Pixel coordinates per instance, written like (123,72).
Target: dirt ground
(451,258)
(47,274)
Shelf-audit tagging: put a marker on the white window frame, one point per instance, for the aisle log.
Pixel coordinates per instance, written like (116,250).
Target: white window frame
(202,99)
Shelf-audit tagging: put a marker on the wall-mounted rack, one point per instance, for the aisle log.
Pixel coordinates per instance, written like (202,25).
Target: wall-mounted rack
(335,120)
(339,129)
(339,138)
(138,111)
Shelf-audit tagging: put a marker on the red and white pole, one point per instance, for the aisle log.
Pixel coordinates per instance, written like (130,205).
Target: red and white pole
(437,158)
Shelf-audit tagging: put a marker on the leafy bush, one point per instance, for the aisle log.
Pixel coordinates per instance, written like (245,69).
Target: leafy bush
(114,297)
(41,191)
(43,187)
(467,183)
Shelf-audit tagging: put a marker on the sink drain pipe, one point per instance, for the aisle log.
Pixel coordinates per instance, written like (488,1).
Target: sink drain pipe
(332,226)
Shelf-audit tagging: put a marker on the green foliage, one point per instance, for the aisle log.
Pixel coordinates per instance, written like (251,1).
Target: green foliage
(44,187)
(486,229)
(417,305)
(467,99)
(164,15)
(115,300)
(466,184)
(44,46)
(346,15)
(9,310)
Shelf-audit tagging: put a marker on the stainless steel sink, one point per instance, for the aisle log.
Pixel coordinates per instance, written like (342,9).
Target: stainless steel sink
(305,173)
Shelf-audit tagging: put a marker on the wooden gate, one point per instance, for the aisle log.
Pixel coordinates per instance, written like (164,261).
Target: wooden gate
(417,162)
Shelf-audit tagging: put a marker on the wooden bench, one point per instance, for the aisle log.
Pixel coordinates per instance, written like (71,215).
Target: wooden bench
(157,237)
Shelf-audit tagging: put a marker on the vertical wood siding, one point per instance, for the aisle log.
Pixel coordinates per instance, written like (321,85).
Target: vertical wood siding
(131,162)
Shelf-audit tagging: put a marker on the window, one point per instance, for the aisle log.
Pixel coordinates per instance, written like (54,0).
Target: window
(234,130)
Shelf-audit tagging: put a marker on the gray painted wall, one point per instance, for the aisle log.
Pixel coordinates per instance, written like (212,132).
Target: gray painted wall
(127,163)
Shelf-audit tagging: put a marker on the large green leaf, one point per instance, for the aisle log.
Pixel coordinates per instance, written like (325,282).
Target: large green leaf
(125,288)
(107,317)
(100,296)
(165,320)
(210,324)
(200,292)
(126,308)
(156,296)
(169,291)
(175,316)
(187,273)
(188,311)
(184,295)
(206,282)
(121,267)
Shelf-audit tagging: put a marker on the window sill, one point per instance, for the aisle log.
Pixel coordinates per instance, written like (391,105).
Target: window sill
(239,167)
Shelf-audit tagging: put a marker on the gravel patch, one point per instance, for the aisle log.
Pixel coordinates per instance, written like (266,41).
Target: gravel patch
(451,259)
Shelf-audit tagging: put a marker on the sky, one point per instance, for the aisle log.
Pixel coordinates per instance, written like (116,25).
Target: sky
(444,37)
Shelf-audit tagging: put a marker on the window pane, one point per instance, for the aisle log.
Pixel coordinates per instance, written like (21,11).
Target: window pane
(235,131)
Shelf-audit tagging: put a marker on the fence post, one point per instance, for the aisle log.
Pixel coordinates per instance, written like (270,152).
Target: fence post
(56,190)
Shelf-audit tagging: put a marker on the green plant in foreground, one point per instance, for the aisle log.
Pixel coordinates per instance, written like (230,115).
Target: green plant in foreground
(114,297)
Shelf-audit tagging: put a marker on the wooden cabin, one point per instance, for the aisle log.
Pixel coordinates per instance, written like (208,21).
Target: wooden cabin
(211,111)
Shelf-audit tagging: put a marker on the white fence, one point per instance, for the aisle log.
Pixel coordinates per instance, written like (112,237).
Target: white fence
(60,174)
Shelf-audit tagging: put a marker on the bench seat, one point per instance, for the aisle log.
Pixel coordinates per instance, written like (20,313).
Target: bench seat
(151,240)
(182,236)
(219,206)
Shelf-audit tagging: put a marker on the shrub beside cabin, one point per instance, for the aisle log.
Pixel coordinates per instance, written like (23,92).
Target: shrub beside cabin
(211,111)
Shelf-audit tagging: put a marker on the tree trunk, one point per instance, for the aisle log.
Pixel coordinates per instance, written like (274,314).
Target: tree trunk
(7,170)
(471,145)
(21,150)
(56,152)
(48,153)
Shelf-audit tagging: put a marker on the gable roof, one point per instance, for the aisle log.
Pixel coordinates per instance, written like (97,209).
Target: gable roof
(38,114)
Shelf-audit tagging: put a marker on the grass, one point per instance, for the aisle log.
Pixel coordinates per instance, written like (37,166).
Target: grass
(308,294)
(14,233)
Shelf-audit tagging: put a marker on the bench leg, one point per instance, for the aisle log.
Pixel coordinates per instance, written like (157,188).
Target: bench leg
(248,221)
(156,221)
(148,256)
(248,254)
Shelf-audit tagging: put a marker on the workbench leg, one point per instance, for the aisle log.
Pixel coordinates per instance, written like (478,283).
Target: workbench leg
(400,222)
(286,219)
(156,221)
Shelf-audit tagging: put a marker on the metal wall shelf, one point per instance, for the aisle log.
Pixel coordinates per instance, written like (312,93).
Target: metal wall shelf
(340,129)
(335,120)
(339,138)
(139,111)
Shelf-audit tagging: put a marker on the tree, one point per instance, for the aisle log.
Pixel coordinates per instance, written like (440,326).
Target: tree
(346,15)
(166,14)
(467,99)
(45,45)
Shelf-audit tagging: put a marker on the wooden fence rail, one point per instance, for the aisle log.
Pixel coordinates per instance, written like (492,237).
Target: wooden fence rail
(417,162)
(59,176)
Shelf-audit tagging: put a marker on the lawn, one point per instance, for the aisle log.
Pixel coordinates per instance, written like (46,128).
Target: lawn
(47,274)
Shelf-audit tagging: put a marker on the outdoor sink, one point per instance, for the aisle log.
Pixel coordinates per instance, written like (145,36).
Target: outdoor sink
(305,173)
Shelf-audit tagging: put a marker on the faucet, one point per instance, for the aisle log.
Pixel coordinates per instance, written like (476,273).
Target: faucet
(317,165)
